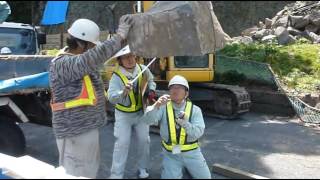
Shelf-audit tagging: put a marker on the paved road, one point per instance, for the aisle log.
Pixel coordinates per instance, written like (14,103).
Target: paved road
(273,147)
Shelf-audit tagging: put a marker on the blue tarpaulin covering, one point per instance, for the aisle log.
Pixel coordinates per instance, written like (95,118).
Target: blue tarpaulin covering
(36,81)
(55,12)
(2,176)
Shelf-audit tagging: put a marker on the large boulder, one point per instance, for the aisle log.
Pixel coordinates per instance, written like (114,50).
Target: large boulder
(176,28)
(268,39)
(281,31)
(250,31)
(315,18)
(312,28)
(314,37)
(299,22)
(268,23)
(261,25)
(242,39)
(283,21)
(261,33)
(283,36)
(294,32)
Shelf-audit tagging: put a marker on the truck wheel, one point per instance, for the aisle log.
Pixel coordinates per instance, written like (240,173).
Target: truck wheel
(12,140)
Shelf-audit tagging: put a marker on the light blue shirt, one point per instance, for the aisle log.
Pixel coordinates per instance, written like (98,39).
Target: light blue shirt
(194,128)
(116,87)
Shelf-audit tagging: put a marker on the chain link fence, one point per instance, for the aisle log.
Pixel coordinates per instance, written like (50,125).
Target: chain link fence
(234,70)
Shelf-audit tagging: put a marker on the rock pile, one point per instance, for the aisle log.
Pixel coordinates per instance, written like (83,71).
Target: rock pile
(295,21)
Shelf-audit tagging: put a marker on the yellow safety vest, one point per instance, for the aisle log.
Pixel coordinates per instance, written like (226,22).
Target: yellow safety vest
(87,97)
(184,145)
(134,106)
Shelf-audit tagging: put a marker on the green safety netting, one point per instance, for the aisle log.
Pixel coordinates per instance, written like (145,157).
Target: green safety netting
(261,73)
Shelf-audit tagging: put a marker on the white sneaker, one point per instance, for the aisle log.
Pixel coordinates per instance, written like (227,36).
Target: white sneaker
(143,174)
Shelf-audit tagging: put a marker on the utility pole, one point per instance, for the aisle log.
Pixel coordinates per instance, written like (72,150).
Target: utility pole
(61,27)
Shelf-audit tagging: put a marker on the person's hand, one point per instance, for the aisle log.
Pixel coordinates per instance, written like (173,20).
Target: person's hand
(125,24)
(182,119)
(181,122)
(163,100)
(181,114)
(152,96)
(127,89)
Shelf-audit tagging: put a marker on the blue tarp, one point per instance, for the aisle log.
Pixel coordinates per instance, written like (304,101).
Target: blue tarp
(35,81)
(55,12)
(2,176)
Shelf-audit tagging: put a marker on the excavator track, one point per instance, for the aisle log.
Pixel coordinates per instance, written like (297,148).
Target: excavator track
(228,102)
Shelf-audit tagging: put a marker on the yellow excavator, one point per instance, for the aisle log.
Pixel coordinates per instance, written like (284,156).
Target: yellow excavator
(218,100)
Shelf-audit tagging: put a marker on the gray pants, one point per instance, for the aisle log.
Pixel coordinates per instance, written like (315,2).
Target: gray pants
(194,161)
(122,131)
(80,155)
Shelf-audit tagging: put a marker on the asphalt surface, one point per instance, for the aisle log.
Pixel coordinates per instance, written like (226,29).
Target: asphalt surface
(269,146)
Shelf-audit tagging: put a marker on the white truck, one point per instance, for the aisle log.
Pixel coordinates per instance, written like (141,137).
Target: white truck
(19,104)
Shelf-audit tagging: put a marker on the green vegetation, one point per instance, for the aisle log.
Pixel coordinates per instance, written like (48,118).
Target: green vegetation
(297,65)
(52,52)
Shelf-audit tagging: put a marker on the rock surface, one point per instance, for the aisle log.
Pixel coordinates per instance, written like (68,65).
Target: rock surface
(297,20)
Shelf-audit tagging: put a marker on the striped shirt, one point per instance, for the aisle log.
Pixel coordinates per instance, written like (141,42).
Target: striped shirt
(66,77)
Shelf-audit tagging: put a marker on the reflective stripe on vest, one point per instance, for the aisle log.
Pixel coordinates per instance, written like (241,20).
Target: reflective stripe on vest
(172,131)
(134,106)
(87,97)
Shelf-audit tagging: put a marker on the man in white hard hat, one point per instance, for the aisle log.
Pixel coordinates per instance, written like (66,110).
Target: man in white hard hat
(78,101)
(127,98)
(181,125)
(5,51)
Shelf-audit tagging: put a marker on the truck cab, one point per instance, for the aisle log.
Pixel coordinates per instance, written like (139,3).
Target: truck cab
(21,39)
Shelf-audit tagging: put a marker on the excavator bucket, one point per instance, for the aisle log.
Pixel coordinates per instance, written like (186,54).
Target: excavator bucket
(176,28)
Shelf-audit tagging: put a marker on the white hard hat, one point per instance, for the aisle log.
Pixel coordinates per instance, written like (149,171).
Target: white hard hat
(5,50)
(123,51)
(86,30)
(177,79)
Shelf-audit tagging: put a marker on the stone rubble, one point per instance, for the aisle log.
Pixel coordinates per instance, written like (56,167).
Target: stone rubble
(297,20)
